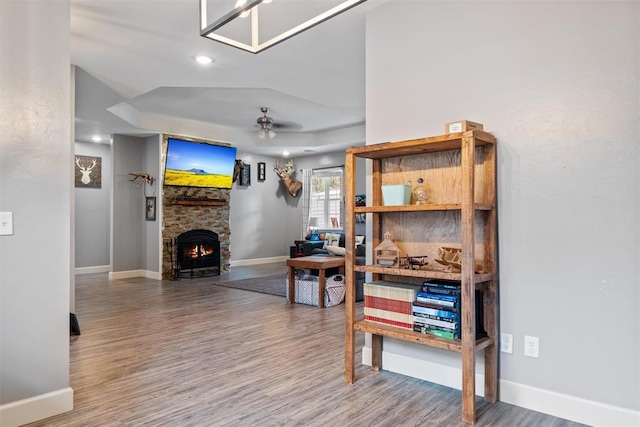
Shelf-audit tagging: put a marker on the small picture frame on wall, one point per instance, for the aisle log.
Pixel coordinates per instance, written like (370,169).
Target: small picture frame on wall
(245,175)
(261,171)
(150,209)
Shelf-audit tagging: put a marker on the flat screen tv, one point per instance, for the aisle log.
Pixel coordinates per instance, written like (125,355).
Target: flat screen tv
(195,164)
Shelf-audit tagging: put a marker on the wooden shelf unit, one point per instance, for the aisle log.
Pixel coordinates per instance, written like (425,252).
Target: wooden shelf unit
(459,171)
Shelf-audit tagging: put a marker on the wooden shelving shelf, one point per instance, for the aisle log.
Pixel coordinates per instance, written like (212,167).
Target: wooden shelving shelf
(423,274)
(195,202)
(411,336)
(458,171)
(420,208)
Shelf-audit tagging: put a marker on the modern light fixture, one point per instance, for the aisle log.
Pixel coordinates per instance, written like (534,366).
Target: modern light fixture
(266,124)
(203,59)
(226,29)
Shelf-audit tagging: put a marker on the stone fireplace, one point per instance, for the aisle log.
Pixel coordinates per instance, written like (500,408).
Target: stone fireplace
(187,209)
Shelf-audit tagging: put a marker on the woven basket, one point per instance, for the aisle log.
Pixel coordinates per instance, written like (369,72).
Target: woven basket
(306,289)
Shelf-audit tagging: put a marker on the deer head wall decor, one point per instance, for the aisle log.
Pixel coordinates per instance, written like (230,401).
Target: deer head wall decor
(86,170)
(284,173)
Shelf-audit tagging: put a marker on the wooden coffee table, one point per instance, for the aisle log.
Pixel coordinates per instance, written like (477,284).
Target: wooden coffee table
(314,262)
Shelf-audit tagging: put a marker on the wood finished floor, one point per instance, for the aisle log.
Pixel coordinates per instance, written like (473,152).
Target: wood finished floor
(189,353)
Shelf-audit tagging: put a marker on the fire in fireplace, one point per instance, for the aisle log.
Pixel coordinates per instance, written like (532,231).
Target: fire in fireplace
(197,252)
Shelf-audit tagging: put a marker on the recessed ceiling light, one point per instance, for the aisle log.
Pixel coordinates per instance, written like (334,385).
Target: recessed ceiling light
(203,59)
(285,153)
(96,138)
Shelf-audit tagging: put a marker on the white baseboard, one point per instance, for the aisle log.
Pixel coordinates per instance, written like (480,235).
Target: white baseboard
(152,275)
(92,270)
(114,275)
(36,408)
(537,399)
(567,407)
(255,261)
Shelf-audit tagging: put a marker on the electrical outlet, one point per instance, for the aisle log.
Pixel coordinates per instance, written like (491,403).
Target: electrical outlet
(506,343)
(531,346)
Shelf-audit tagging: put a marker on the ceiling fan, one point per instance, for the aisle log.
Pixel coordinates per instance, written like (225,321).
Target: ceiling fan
(266,125)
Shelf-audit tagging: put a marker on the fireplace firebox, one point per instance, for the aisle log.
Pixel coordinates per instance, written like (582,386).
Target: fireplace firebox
(197,254)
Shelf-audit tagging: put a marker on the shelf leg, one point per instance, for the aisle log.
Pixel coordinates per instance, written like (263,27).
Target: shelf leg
(491,352)
(376,352)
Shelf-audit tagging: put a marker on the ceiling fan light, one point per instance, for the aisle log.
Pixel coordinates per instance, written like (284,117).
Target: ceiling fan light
(262,134)
(271,134)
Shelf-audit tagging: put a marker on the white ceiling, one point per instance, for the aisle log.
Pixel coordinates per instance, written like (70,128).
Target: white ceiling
(137,76)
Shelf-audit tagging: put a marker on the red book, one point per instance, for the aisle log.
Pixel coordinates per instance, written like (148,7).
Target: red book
(388,304)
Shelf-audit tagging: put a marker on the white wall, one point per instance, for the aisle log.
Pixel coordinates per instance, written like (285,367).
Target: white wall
(152,239)
(558,84)
(255,215)
(36,185)
(93,213)
(127,205)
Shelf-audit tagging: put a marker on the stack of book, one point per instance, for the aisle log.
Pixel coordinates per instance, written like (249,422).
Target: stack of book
(390,303)
(435,311)
(437,307)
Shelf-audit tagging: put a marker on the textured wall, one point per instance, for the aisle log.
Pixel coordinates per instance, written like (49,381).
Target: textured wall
(562,99)
(36,185)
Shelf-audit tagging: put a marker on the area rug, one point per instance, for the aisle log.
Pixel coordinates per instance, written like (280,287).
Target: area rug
(274,285)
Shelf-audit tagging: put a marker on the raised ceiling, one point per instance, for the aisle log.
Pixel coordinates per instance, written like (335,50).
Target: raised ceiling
(137,76)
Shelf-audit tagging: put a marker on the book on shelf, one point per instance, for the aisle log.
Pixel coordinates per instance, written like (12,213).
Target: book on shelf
(433,311)
(392,290)
(451,326)
(435,332)
(441,287)
(388,304)
(437,302)
(431,316)
(439,297)
(452,309)
(388,317)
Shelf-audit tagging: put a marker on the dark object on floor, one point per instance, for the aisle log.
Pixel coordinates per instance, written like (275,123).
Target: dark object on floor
(75,326)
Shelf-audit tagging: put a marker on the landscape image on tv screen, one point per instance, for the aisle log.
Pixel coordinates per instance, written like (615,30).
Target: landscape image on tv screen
(194,164)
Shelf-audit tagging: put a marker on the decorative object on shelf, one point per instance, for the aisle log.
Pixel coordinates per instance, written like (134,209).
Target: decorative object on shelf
(396,195)
(420,193)
(150,209)
(218,22)
(414,262)
(462,126)
(245,175)
(386,254)
(261,171)
(88,172)
(451,257)
(140,178)
(285,172)
(237,169)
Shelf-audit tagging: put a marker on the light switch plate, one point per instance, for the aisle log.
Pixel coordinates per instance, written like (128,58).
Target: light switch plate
(6,223)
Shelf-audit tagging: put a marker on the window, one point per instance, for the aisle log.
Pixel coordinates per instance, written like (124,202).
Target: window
(326,202)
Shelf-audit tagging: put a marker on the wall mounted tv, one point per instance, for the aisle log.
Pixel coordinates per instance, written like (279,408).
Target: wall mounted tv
(194,164)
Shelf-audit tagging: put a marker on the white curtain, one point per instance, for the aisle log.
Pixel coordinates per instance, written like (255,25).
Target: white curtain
(306,200)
